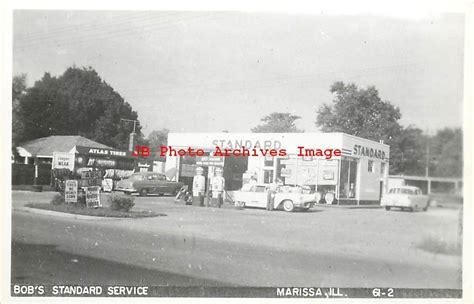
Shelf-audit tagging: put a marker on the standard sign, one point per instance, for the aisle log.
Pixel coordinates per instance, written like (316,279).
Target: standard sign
(63,160)
(70,192)
(93,197)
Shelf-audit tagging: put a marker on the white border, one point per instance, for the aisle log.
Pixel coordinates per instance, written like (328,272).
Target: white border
(405,8)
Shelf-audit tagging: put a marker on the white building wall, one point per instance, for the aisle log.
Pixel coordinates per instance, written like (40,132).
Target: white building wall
(368,183)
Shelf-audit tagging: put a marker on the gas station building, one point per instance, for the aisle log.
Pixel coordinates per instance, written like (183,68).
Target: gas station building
(357,176)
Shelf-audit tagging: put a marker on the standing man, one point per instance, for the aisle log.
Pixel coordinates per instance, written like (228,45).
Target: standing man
(199,187)
(218,185)
(272,189)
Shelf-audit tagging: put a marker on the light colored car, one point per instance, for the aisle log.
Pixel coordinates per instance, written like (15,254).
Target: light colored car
(406,197)
(145,183)
(255,195)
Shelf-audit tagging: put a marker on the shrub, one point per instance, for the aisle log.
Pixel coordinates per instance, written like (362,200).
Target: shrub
(58,199)
(120,202)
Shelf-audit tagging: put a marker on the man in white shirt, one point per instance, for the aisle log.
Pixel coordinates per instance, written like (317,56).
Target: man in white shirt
(272,189)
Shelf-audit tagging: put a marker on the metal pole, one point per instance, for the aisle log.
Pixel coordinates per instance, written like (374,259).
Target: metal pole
(427,170)
(131,143)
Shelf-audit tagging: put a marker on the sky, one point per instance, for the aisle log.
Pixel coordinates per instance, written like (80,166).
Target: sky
(209,71)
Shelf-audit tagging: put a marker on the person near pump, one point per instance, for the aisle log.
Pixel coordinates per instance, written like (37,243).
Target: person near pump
(253,180)
(218,188)
(272,189)
(199,187)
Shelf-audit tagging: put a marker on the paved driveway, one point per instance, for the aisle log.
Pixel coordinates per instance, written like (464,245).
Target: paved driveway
(325,247)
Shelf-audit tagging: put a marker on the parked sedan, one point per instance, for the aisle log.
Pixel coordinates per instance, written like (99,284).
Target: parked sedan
(145,183)
(406,198)
(255,195)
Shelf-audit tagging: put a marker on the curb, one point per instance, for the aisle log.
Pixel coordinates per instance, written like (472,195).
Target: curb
(348,206)
(66,215)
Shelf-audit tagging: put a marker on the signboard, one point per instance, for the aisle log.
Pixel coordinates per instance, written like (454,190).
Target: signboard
(107,185)
(102,151)
(93,197)
(210,161)
(327,175)
(92,174)
(285,172)
(63,160)
(70,191)
(91,178)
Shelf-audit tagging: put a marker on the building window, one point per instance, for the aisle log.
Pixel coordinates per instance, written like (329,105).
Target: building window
(268,177)
(370,166)
(348,178)
(382,168)
(268,161)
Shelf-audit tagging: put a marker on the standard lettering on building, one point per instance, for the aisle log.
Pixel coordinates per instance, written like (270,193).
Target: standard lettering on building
(368,152)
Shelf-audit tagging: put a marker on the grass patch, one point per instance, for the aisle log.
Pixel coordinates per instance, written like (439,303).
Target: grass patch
(439,245)
(99,212)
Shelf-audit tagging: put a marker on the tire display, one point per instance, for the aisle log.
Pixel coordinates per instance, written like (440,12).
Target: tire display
(329,197)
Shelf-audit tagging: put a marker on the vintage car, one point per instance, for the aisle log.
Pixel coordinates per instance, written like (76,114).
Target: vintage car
(406,198)
(288,199)
(145,183)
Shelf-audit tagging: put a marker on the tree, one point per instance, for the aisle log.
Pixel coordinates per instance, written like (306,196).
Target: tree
(278,123)
(408,152)
(78,102)
(156,139)
(18,90)
(361,112)
(446,153)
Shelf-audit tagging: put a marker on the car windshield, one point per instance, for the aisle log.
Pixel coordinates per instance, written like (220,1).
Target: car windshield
(403,191)
(246,187)
(407,191)
(137,177)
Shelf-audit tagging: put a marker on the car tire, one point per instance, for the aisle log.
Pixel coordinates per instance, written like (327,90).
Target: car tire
(387,208)
(410,209)
(425,209)
(288,206)
(143,192)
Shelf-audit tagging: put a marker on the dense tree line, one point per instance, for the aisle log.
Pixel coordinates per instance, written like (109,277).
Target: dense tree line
(361,112)
(78,102)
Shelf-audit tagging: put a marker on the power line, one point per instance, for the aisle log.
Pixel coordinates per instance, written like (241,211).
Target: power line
(274,81)
(113,34)
(85,26)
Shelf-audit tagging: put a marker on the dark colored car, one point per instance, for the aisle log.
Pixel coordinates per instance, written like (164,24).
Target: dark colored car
(145,183)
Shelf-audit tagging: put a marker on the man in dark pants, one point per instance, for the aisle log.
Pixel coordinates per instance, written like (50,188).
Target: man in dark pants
(272,188)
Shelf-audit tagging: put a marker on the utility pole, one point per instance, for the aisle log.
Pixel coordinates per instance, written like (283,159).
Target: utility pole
(427,172)
(131,144)
(427,168)
(427,161)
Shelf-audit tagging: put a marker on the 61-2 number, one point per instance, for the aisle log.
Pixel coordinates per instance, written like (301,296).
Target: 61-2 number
(378,292)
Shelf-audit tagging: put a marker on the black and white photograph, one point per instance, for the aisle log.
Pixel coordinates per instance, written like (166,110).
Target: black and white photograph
(237,153)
